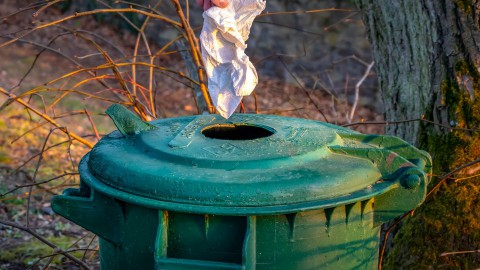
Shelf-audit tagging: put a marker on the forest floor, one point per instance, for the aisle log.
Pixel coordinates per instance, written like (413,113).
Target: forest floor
(22,138)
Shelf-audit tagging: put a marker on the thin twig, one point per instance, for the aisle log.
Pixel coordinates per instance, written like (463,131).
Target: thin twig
(37,183)
(200,103)
(29,7)
(141,33)
(446,176)
(28,132)
(88,247)
(116,72)
(34,178)
(91,12)
(45,267)
(304,11)
(292,28)
(45,241)
(56,253)
(118,76)
(408,121)
(344,19)
(57,51)
(187,7)
(459,252)
(303,88)
(280,111)
(465,178)
(255,98)
(195,51)
(132,4)
(37,56)
(36,13)
(110,66)
(385,238)
(47,118)
(41,189)
(354,57)
(94,127)
(357,91)
(107,41)
(18,169)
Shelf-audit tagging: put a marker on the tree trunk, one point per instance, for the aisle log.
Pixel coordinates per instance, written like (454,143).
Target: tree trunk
(427,56)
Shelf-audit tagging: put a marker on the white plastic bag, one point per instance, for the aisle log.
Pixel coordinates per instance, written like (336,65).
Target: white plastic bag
(230,73)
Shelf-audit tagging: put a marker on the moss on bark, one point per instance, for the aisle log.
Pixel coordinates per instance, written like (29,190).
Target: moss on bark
(449,220)
(466,5)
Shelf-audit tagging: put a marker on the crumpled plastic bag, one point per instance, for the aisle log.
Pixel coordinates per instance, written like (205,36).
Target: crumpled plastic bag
(230,73)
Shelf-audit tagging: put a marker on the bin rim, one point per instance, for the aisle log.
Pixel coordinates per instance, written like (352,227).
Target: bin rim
(376,189)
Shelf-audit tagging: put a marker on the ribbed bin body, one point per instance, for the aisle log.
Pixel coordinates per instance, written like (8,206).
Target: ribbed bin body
(343,237)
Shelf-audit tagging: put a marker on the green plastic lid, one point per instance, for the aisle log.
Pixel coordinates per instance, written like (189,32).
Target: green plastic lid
(247,164)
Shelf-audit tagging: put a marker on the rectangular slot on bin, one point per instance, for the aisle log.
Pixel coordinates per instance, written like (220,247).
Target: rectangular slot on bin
(206,237)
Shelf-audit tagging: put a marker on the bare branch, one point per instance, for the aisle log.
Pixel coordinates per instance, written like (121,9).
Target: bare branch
(408,121)
(459,252)
(303,88)
(37,167)
(94,127)
(37,183)
(45,241)
(357,91)
(47,118)
(36,13)
(91,12)
(29,7)
(304,11)
(195,52)
(447,176)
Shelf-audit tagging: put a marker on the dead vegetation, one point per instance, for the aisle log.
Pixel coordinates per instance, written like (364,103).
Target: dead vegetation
(61,70)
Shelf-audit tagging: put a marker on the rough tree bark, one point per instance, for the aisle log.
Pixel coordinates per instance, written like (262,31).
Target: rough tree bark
(427,55)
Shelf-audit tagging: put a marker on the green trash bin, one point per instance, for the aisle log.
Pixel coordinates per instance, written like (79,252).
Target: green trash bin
(251,192)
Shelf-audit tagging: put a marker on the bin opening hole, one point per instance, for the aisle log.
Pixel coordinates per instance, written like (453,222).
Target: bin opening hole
(237,132)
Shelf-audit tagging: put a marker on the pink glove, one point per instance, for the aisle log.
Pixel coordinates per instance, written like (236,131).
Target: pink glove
(206,4)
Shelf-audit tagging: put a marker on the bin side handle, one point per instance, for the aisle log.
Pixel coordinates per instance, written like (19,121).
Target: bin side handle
(97,213)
